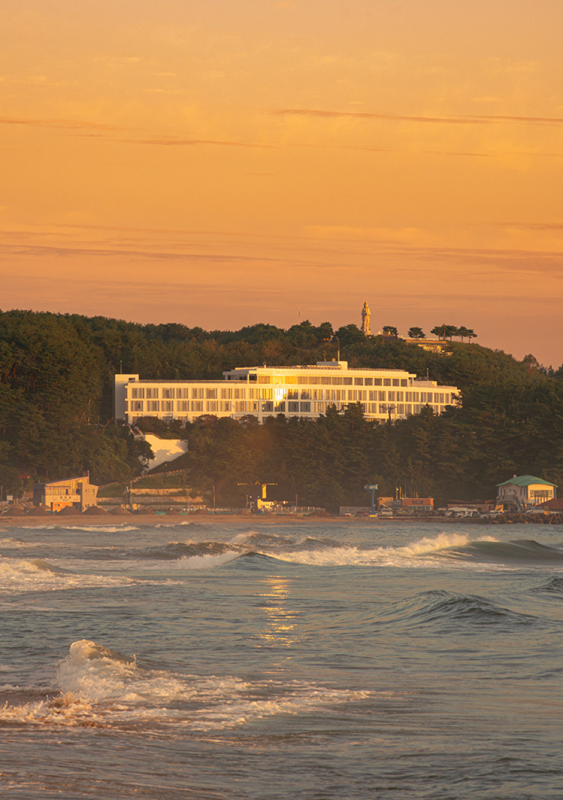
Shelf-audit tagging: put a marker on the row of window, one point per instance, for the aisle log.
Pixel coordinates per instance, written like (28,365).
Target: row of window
(261,406)
(326,380)
(231,393)
(193,392)
(329,396)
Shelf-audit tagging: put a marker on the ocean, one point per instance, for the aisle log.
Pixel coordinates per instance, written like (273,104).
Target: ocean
(239,660)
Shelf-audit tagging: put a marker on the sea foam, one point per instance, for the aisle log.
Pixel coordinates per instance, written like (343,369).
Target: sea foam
(99,687)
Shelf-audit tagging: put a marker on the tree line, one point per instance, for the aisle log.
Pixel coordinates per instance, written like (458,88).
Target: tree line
(441,331)
(56,410)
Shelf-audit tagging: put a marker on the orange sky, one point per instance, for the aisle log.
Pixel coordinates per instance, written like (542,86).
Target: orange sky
(221,163)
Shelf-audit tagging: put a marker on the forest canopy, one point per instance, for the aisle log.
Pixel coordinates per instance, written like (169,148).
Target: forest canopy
(56,378)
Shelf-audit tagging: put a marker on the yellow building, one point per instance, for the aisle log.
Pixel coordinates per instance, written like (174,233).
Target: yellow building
(76,492)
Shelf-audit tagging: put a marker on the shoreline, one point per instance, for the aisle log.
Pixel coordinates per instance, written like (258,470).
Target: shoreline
(70,521)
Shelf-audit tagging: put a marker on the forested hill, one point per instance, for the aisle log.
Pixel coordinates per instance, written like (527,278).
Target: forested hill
(56,406)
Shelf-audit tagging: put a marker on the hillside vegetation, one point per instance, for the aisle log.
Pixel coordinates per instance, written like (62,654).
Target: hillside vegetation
(56,377)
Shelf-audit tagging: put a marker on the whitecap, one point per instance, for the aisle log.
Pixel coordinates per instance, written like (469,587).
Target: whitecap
(102,687)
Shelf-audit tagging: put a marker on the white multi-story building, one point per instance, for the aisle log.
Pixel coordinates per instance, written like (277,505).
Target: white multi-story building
(305,391)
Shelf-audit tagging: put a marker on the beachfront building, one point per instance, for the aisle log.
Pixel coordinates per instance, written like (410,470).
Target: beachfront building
(300,391)
(77,493)
(523,492)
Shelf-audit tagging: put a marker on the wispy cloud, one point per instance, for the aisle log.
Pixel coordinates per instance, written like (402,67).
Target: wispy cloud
(74,124)
(459,119)
(61,251)
(82,127)
(177,141)
(532,226)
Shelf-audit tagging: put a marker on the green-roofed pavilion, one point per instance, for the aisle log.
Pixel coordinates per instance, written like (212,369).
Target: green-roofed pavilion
(522,492)
(526,480)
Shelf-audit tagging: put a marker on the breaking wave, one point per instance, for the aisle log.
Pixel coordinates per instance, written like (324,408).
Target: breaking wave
(99,687)
(518,551)
(39,575)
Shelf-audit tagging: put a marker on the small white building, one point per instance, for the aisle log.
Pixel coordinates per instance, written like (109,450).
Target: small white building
(524,491)
(300,391)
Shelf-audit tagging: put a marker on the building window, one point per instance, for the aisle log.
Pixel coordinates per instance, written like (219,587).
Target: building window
(293,408)
(382,396)
(137,394)
(541,495)
(197,405)
(387,381)
(396,382)
(264,379)
(400,397)
(240,394)
(267,407)
(183,405)
(306,408)
(404,382)
(352,395)
(280,407)
(153,405)
(391,396)
(368,381)
(167,405)
(137,405)
(337,381)
(347,381)
(211,394)
(326,380)
(358,381)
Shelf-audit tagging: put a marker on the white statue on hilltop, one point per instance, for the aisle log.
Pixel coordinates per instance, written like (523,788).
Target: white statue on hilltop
(366,314)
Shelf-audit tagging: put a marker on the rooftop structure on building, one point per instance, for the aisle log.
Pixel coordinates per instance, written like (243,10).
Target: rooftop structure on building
(299,391)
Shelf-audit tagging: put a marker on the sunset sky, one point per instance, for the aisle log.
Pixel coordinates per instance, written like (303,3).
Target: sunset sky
(226,162)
